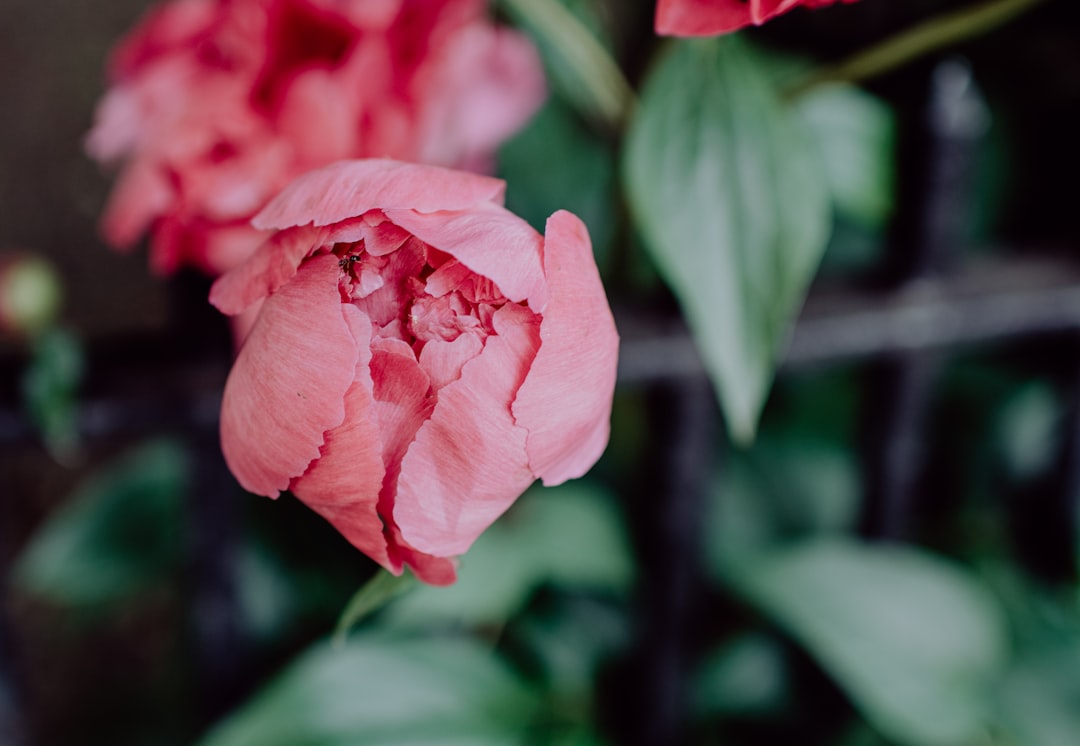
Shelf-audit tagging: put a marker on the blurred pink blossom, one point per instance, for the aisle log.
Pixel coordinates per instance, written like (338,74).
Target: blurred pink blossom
(215,105)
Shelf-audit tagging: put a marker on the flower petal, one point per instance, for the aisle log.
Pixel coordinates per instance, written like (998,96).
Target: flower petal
(270,266)
(491,241)
(468,463)
(488,84)
(443,361)
(343,484)
(288,383)
(347,189)
(711,17)
(431,570)
(565,401)
(402,396)
(140,195)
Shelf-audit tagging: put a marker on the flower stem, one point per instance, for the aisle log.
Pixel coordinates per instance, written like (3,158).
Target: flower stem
(598,86)
(936,33)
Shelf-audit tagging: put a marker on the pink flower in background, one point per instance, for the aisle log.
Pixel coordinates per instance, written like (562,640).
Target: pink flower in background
(217,104)
(711,17)
(420,357)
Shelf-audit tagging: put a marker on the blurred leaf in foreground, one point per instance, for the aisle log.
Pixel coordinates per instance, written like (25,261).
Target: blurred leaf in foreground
(387,692)
(1038,695)
(117,535)
(914,641)
(734,208)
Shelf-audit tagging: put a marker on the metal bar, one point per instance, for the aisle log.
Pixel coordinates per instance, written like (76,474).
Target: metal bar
(653,695)
(984,302)
(933,218)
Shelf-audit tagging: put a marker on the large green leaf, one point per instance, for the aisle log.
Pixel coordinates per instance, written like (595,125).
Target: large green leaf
(728,197)
(117,535)
(387,692)
(914,641)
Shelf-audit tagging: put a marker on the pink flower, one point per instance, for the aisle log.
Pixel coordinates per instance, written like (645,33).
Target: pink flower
(711,17)
(215,105)
(422,355)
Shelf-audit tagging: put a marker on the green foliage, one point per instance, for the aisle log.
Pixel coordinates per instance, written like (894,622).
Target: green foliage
(49,385)
(383,587)
(915,641)
(854,135)
(576,55)
(384,692)
(118,535)
(748,676)
(570,536)
(1027,429)
(727,194)
(557,163)
(787,487)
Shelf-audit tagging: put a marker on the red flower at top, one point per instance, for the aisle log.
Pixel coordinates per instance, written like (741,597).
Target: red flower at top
(215,105)
(711,17)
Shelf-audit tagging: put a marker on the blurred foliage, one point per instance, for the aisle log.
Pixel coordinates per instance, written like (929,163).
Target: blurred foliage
(854,134)
(558,163)
(915,642)
(119,535)
(383,691)
(49,387)
(576,51)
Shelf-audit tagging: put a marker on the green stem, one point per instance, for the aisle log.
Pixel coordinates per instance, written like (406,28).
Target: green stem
(371,597)
(941,31)
(601,89)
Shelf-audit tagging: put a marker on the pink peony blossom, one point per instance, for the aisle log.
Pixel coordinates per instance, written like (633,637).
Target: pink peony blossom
(215,105)
(711,17)
(420,357)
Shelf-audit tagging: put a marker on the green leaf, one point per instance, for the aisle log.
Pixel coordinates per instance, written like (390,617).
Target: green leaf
(914,641)
(371,597)
(1028,429)
(570,536)
(854,135)
(116,536)
(581,179)
(1039,696)
(568,637)
(386,692)
(785,487)
(746,677)
(49,385)
(732,207)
